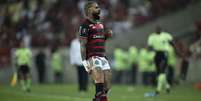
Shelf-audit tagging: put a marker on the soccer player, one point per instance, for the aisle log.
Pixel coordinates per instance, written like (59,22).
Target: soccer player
(159,42)
(93,35)
(23,57)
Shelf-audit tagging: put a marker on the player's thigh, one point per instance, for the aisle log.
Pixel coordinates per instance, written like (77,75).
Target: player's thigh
(107,75)
(108,78)
(96,69)
(25,71)
(98,75)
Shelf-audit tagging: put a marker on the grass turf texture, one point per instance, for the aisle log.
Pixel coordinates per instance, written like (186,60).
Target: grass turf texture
(119,93)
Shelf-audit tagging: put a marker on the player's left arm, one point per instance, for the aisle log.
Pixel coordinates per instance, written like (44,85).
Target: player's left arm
(170,39)
(108,32)
(83,43)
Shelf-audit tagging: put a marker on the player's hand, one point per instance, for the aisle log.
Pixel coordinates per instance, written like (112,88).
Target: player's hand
(86,65)
(109,33)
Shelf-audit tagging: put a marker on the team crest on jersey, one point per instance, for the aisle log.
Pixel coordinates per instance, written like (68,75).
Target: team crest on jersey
(82,30)
(96,26)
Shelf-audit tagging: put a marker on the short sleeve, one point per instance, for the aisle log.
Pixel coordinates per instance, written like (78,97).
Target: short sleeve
(83,31)
(168,36)
(150,40)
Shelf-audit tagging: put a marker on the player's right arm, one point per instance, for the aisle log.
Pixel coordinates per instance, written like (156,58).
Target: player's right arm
(83,36)
(83,48)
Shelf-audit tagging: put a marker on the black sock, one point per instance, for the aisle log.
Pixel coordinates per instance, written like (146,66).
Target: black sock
(99,89)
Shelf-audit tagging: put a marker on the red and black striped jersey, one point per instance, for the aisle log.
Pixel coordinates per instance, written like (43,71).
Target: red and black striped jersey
(95,35)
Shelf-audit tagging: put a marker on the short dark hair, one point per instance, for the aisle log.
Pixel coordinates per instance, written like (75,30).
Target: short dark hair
(87,5)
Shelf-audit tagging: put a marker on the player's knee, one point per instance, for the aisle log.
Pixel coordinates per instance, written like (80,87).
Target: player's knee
(99,80)
(98,75)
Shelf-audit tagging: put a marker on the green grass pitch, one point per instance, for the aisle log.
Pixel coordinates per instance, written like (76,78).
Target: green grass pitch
(68,92)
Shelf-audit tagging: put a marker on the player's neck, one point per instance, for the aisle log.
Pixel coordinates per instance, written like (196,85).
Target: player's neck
(93,20)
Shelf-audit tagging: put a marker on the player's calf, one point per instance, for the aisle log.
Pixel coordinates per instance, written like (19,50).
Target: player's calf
(100,93)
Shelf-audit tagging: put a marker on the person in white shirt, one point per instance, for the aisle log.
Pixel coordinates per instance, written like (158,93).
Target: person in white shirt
(76,61)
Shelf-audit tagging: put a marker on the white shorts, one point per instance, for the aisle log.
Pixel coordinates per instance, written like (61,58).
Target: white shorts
(98,62)
(101,62)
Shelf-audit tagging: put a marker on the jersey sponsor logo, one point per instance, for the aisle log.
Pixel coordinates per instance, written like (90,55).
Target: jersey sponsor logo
(98,36)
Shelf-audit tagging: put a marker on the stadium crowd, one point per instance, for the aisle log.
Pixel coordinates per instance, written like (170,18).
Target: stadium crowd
(50,22)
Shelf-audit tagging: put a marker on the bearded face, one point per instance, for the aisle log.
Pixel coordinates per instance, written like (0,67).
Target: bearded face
(95,11)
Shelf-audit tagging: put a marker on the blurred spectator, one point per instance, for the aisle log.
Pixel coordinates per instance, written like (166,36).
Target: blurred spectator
(5,57)
(56,64)
(195,47)
(21,17)
(184,52)
(147,66)
(133,58)
(141,13)
(121,65)
(40,62)
(76,61)
(121,27)
(198,27)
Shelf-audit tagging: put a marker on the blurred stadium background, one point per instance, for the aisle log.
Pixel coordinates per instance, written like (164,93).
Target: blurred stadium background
(49,24)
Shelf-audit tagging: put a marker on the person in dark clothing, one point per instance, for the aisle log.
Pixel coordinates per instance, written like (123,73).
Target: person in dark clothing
(76,61)
(40,65)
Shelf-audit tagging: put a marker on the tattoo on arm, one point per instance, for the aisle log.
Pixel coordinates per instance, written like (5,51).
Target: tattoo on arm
(83,48)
